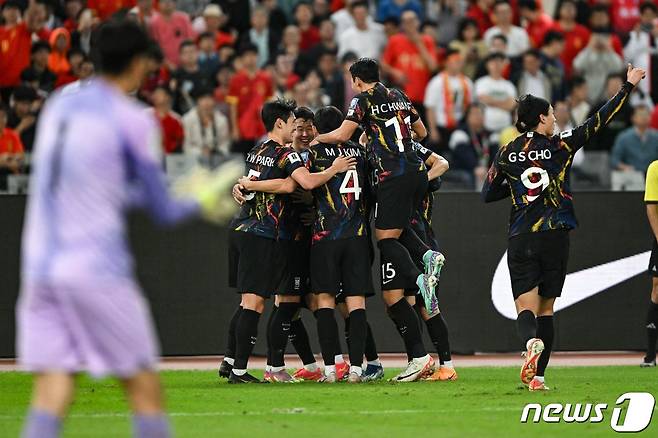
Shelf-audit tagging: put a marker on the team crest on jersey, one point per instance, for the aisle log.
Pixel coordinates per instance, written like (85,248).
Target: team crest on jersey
(294,157)
(352,108)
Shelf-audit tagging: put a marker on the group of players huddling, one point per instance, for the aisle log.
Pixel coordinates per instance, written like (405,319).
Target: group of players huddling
(303,235)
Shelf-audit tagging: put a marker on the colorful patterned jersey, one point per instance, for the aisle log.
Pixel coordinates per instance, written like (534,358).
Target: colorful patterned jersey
(534,171)
(386,115)
(421,221)
(262,213)
(342,203)
(292,226)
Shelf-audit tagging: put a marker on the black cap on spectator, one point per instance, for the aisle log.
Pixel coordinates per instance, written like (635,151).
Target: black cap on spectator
(552,36)
(495,56)
(24,94)
(202,91)
(246,48)
(37,46)
(117,44)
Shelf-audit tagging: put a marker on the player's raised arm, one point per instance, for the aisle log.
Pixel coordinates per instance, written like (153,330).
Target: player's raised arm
(577,137)
(495,187)
(310,181)
(437,166)
(340,134)
(419,129)
(277,186)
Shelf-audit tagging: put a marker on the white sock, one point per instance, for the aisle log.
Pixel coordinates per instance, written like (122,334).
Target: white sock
(312,367)
(375,362)
(448,364)
(239,372)
(540,378)
(277,369)
(527,345)
(339,359)
(355,369)
(328,369)
(229,360)
(268,368)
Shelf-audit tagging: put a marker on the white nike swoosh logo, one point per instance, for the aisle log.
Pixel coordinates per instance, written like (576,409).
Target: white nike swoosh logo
(387,281)
(578,286)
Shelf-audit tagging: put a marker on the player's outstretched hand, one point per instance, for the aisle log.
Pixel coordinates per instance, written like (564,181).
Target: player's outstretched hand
(634,75)
(244,183)
(238,196)
(343,164)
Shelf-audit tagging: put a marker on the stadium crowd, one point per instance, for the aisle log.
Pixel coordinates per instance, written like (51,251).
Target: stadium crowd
(462,64)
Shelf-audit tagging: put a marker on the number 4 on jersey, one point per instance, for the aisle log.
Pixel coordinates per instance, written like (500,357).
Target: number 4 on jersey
(354,187)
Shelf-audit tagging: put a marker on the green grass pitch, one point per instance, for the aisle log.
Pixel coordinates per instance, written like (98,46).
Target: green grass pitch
(484,402)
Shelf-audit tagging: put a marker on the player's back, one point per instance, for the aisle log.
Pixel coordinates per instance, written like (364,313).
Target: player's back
(81,185)
(341,203)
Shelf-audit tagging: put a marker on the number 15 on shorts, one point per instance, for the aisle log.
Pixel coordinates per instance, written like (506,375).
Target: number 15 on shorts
(388,273)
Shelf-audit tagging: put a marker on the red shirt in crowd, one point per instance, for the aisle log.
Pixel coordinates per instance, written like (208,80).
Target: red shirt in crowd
(538,29)
(310,37)
(402,54)
(574,41)
(15,47)
(172,132)
(482,18)
(224,39)
(249,93)
(10,142)
(170,32)
(104,9)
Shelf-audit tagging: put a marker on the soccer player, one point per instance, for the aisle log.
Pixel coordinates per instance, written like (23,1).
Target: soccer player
(651,199)
(390,121)
(255,259)
(80,308)
(533,169)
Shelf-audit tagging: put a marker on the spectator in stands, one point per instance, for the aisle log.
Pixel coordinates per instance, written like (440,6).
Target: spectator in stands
(60,43)
(578,105)
(343,19)
(105,9)
(472,152)
(291,42)
(238,13)
(206,130)
(11,149)
(470,45)
(81,36)
(576,36)
(448,20)
(532,79)
(497,94)
(447,97)
(170,122)
(596,62)
(366,39)
(479,11)
(144,12)
(264,38)
(214,20)
(223,80)
(599,19)
(391,27)
(193,8)
(606,136)
(321,11)
(16,41)
(208,56)
(308,60)
(157,75)
(38,69)
(283,75)
(310,35)
(72,10)
(636,147)
(395,8)
(641,47)
(331,77)
(23,115)
(188,77)
(625,15)
(517,38)
(537,22)
(410,59)
(346,90)
(169,28)
(551,64)
(277,18)
(75,58)
(248,90)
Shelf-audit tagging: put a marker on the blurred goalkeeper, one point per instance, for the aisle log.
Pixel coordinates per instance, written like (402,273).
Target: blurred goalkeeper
(80,308)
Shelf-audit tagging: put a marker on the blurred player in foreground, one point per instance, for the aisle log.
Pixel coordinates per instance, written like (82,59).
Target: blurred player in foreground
(534,170)
(651,199)
(80,308)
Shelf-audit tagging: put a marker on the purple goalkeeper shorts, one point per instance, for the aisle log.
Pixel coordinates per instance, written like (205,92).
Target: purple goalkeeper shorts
(101,329)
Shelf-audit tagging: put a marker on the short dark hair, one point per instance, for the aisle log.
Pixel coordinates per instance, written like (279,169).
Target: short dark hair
(648,5)
(40,45)
(366,69)
(359,3)
(203,35)
(246,48)
(575,82)
(304,113)
(118,43)
(202,91)
(186,43)
(348,57)
(498,3)
(327,119)
(532,52)
(500,36)
(464,23)
(599,8)
(278,109)
(529,4)
(528,111)
(552,36)
(495,55)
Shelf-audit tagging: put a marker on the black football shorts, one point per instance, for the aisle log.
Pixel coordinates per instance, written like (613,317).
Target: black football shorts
(295,279)
(398,198)
(342,265)
(255,264)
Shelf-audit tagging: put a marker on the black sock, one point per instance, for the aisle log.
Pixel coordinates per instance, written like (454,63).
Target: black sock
(371,346)
(414,244)
(407,348)
(438,330)
(407,321)
(394,252)
(268,334)
(230,345)
(526,326)
(652,331)
(358,334)
(347,332)
(327,334)
(545,333)
(246,333)
(299,339)
(338,348)
(280,330)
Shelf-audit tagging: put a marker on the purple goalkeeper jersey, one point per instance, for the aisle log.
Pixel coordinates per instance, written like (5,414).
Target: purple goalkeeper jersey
(96,157)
